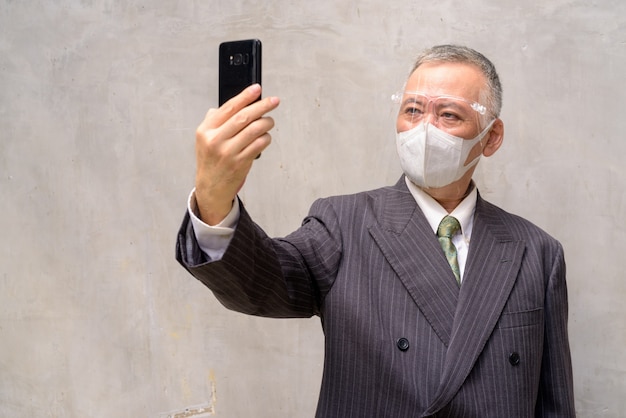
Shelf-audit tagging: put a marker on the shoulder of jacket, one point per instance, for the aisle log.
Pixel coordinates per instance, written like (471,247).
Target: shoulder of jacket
(518,225)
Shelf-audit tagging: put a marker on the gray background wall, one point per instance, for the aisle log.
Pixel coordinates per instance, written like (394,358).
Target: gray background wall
(99,101)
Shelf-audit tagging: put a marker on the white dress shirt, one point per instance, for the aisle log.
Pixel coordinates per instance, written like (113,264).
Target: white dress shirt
(214,240)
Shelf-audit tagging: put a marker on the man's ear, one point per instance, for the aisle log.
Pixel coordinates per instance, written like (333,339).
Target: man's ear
(494,138)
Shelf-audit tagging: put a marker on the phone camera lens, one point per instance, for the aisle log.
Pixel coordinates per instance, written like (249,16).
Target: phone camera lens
(236,59)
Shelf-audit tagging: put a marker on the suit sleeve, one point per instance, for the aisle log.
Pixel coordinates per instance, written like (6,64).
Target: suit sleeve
(556,392)
(258,275)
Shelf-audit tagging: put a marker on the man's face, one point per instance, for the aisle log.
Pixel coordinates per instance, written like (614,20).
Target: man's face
(450,80)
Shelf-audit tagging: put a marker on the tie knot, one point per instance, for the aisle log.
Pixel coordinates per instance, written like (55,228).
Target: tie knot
(448,226)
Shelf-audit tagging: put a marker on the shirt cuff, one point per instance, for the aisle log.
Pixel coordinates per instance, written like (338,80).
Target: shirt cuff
(213,240)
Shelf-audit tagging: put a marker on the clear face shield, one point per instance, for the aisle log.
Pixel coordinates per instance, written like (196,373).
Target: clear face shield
(451,114)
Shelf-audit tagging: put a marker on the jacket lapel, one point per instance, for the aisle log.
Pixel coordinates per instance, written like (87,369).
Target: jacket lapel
(409,245)
(493,263)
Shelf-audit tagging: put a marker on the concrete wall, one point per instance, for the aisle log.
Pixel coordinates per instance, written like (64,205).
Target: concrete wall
(99,100)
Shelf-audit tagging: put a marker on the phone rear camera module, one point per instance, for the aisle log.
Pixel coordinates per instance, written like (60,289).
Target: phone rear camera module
(236,59)
(239,59)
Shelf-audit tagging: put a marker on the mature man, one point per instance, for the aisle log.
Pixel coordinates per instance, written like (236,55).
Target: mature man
(434,303)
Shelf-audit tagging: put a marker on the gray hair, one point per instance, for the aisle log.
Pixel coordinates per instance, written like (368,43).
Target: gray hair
(462,54)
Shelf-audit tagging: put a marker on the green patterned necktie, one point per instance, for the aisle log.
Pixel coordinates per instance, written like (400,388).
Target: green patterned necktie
(447,228)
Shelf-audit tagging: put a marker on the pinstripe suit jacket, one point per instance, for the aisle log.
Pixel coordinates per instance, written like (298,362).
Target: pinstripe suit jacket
(402,339)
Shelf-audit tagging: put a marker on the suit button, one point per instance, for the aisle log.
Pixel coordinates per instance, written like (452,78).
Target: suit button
(403,344)
(514,359)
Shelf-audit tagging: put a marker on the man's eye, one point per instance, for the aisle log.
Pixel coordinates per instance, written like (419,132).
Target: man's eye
(413,110)
(449,116)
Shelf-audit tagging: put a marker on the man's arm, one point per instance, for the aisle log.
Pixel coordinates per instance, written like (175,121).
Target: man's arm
(556,387)
(267,277)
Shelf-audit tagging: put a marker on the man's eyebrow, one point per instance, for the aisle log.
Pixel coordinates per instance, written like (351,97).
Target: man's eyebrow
(448,102)
(414,100)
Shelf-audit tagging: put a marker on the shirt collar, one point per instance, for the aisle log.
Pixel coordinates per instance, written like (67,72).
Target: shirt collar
(434,212)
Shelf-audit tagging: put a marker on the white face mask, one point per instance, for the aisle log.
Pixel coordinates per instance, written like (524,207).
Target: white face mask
(432,158)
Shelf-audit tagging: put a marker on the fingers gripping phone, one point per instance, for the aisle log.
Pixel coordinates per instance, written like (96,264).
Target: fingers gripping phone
(239,67)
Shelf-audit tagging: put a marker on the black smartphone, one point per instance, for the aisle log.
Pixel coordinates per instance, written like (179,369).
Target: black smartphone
(239,67)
